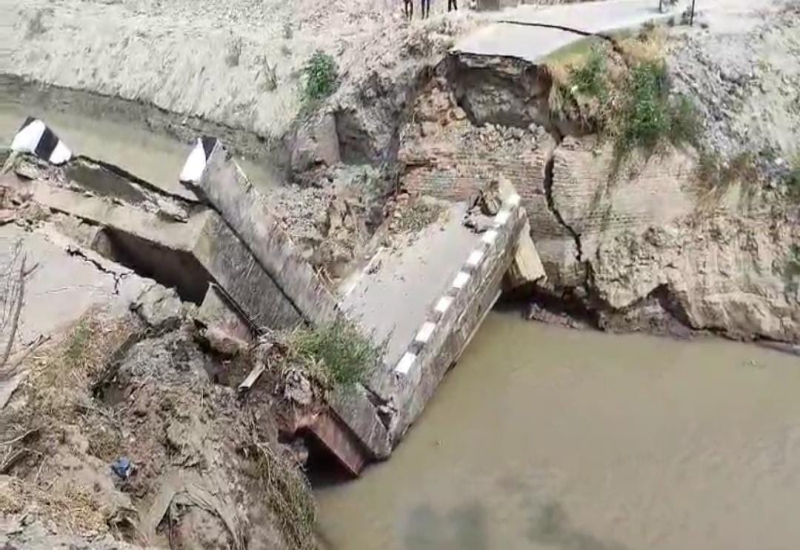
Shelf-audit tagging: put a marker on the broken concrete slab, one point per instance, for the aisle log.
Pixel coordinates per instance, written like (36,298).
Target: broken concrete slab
(424,303)
(64,285)
(187,256)
(227,190)
(160,308)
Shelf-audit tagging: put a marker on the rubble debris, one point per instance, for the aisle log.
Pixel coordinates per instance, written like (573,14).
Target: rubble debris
(218,339)
(160,308)
(252,377)
(297,388)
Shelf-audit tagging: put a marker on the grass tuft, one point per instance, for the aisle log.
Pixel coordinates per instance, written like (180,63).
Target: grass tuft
(591,78)
(337,352)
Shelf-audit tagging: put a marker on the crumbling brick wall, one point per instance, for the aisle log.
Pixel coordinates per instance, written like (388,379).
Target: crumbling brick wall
(445,156)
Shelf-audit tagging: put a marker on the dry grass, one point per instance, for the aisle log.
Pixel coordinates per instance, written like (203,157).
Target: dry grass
(715,175)
(288,495)
(58,392)
(646,46)
(61,378)
(65,504)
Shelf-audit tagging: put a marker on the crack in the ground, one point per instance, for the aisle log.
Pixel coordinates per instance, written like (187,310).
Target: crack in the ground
(551,205)
(587,277)
(118,277)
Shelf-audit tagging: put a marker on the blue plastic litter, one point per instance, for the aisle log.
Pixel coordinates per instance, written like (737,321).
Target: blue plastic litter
(122,467)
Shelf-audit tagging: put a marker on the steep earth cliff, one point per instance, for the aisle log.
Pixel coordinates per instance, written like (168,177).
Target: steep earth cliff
(698,238)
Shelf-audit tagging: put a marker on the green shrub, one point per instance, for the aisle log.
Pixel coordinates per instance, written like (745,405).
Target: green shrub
(321,76)
(648,115)
(644,117)
(590,78)
(685,124)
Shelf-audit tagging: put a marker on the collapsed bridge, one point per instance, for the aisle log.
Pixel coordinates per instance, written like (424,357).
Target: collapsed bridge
(211,237)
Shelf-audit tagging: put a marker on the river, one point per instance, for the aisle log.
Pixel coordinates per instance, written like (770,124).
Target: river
(550,438)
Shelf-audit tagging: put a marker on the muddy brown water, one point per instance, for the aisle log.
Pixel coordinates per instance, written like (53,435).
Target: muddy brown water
(549,438)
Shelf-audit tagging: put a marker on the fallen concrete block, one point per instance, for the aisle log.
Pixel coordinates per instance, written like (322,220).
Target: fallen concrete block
(526,267)
(160,308)
(218,309)
(225,187)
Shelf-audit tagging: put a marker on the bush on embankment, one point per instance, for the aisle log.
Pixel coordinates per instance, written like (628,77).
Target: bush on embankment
(624,94)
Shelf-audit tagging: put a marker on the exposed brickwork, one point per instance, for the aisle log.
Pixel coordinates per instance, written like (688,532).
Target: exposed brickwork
(445,156)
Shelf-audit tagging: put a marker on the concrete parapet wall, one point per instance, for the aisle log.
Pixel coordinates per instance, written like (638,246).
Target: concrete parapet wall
(225,187)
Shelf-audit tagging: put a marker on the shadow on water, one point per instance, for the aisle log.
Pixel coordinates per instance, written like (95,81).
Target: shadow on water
(466,528)
(550,526)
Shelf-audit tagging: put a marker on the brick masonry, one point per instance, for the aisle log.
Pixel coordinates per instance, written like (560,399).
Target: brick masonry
(445,156)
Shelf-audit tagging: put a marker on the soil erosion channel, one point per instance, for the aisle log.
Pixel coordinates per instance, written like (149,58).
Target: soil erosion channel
(544,437)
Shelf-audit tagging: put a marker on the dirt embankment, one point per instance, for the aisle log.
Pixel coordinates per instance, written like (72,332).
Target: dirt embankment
(698,236)
(237,65)
(128,432)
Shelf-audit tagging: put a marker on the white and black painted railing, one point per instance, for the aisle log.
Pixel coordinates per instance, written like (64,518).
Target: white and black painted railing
(473,262)
(36,138)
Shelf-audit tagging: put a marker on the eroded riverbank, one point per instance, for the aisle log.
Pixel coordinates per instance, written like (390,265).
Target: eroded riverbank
(551,438)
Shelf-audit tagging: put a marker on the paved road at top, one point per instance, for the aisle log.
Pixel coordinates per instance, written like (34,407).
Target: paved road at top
(534,43)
